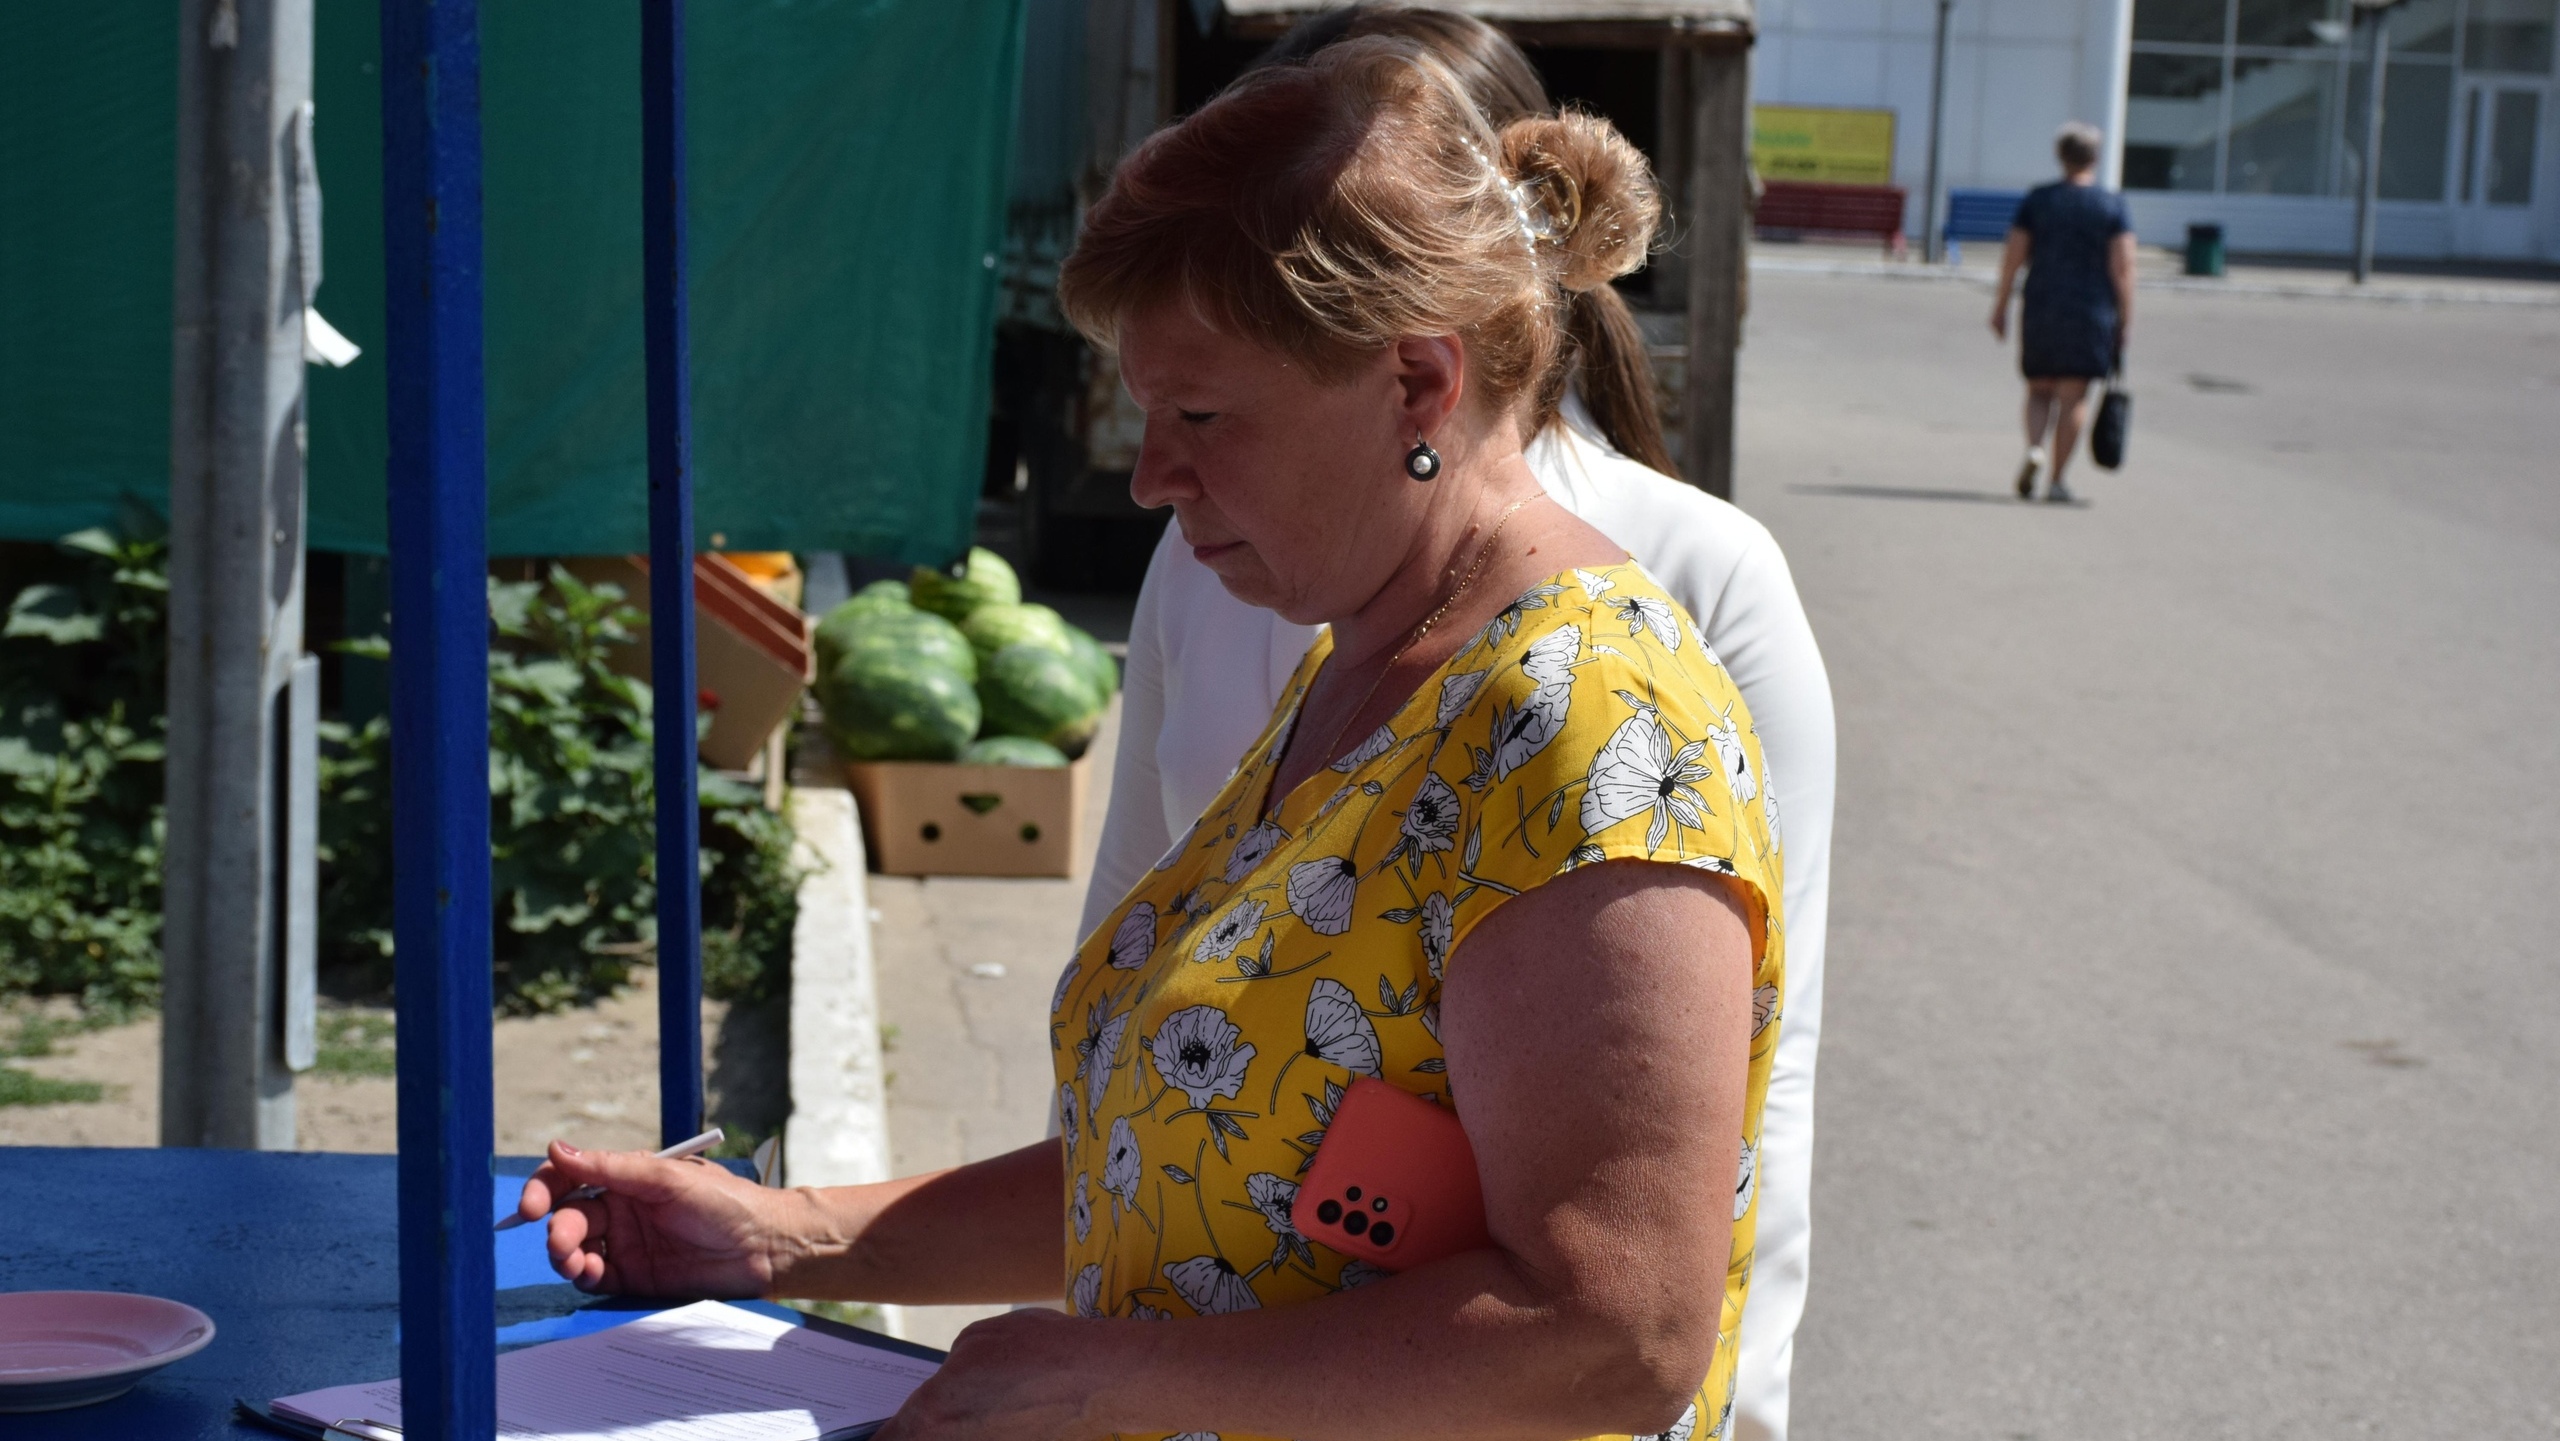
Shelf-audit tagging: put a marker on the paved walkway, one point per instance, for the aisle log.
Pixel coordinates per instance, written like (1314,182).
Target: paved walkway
(967,966)
(2188,1067)
(2159,270)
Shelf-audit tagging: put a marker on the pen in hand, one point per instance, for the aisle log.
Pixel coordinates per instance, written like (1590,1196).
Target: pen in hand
(676,1152)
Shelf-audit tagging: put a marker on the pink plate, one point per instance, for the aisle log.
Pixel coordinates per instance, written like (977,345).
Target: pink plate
(70,1348)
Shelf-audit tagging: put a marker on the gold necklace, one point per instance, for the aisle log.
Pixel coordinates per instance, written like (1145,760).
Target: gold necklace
(1483,553)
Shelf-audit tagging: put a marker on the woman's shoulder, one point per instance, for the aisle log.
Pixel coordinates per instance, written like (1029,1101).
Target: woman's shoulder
(1599,724)
(1595,631)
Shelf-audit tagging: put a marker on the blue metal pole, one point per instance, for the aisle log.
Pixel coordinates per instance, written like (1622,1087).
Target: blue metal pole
(662,304)
(439,713)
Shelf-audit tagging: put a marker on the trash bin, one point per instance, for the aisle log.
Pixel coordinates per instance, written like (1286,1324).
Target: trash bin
(2204,250)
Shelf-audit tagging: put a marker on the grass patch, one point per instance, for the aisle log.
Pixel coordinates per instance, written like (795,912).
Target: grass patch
(355,1043)
(25,1088)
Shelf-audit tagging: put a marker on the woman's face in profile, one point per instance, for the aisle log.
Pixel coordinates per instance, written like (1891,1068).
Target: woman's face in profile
(1290,489)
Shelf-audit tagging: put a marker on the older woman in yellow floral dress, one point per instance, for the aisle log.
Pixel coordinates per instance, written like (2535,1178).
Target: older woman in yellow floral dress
(1507,845)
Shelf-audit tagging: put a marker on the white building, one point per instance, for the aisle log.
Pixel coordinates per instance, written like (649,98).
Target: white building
(2245,112)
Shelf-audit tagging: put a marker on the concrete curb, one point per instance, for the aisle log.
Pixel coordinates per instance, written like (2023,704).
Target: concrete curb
(839,1128)
(2543,296)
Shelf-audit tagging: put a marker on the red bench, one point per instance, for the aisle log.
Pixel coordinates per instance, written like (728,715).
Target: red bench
(1794,209)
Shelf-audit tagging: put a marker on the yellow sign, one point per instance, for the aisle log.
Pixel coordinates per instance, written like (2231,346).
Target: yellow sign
(1843,147)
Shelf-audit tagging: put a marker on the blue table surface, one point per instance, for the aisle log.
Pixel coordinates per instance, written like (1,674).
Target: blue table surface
(293,1254)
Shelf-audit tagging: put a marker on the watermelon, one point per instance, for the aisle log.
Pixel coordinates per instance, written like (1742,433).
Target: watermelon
(990,628)
(1095,662)
(1031,690)
(984,580)
(881,597)
(917,636)
(885,704)
(1012,751)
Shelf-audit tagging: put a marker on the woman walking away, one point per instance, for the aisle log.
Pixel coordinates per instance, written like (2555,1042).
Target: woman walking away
(2077,246)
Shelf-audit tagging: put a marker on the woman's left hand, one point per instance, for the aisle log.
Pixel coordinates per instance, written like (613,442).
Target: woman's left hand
(1021,1376)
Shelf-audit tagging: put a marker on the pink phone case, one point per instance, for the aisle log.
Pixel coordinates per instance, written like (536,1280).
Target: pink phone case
(1393,1183)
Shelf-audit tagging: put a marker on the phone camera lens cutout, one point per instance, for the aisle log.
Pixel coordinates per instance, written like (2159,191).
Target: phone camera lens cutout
(1329,1212)
(1355,1223)
(1379,1204)
(1353,1194)
(1383,1233)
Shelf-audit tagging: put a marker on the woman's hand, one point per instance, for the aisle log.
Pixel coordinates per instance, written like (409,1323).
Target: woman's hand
(1021,1376)
(2000,319)
(663,1228)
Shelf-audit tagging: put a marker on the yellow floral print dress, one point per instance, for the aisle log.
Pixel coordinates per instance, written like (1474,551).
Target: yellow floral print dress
(1205,1031)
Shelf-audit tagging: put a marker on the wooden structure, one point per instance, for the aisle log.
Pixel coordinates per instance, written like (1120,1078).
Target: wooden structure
(1700,119)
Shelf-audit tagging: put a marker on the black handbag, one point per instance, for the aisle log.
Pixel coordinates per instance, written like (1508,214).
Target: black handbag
(2115,417)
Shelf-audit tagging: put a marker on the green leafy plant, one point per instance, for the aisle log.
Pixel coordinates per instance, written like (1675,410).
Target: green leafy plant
(83,661)
(82,679)
(572,820)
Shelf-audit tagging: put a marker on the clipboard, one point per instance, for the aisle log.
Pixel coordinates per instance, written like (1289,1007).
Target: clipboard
(656,1337)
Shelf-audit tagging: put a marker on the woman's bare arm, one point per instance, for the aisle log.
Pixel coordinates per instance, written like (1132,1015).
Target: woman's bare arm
(2013,258)
(986,1232)
(1598,1031)
(2120,260)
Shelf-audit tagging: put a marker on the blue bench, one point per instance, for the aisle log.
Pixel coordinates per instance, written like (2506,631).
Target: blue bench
(1978,215)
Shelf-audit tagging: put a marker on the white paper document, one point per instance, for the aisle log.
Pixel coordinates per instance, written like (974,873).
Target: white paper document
(704,1372)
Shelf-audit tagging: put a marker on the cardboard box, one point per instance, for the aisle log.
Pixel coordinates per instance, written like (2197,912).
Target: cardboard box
(928,818)
(751,652)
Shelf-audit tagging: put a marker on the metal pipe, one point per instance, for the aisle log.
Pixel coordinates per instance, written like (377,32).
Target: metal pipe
(2369,192)
(1932,244)
(438,503)
(662,304)
(235,567)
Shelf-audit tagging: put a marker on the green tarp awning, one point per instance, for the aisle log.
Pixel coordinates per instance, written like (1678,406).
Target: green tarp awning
(848,168)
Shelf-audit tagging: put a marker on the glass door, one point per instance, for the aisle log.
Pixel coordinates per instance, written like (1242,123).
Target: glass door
(2501,111)
(2498,135)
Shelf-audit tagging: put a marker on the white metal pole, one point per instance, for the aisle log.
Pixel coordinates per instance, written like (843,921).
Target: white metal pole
(235,569)
(2369,191)
(1933,244)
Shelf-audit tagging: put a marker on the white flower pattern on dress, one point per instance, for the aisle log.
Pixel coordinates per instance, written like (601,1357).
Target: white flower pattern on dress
(1430,822)
(1439,921)
(1232,930)
(1208,1285)
(1080,1210)
(1456,694)
(1321,893)
(1374,745)
(1637,773)
(1747,1184)
(1195,1051)
(1681,1430)
(1643,613)
(1524,728)
(1066,982)
(1594,584)
(1250,849)
(1550,658)
(1098,1054)
(1088,1292)
(1727,739)
(1273,1196)
(1338,1030)
(1120,1164)
(1134,941)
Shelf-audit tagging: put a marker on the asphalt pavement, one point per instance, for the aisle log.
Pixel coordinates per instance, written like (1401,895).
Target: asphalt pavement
(2190,1064)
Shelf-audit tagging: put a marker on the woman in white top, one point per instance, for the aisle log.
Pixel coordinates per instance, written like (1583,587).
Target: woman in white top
(1205,671)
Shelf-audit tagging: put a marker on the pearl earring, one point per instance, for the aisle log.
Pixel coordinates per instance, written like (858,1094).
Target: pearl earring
(1422,462)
